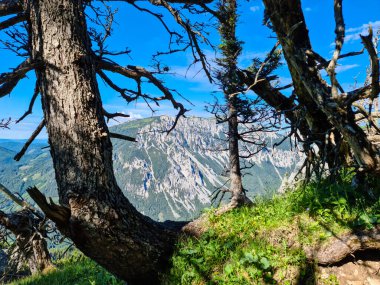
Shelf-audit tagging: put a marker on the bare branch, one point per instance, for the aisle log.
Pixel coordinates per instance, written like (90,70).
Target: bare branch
(31,104)
(114,115)
(4,123)
(19,201)
(9,80)
(29,141)
(340,32)
(367,41)
(57,213)
(12,21)
(122,137)
(9,7)
(192,34)
(136,73)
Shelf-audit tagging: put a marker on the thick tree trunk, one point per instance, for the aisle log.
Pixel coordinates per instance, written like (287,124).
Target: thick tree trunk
(289,24)
(96,215)
(30,243)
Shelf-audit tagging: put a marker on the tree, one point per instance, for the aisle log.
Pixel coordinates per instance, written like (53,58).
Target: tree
(246,117)
(93,211)
(335,108)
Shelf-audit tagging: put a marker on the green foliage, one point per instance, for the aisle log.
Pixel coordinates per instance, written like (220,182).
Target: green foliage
(74,270)
(257,245)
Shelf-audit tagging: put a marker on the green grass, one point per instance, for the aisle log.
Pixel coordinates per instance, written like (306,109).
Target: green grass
(265,244)
(74,270)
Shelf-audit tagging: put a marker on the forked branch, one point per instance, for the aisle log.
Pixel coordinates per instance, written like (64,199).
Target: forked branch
(9,80)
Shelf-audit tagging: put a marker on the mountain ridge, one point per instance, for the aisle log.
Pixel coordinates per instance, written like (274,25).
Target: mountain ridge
(166,176)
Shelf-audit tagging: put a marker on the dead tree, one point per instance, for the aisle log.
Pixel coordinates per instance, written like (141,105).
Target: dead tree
(28,228)
(335,106)
(93,211)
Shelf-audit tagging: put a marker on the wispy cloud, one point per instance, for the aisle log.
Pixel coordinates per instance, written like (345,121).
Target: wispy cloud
(308,9)
(342,68)
(254,8)
(353,34)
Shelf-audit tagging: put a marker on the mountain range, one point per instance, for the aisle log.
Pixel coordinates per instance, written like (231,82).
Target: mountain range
(166,176)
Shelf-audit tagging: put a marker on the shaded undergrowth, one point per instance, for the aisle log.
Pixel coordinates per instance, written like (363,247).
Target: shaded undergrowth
(75,269)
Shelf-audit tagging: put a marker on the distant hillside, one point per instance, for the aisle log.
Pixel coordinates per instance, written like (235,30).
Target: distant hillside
(165,176)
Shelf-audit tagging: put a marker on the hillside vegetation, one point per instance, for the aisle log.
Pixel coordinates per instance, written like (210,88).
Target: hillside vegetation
(264,244)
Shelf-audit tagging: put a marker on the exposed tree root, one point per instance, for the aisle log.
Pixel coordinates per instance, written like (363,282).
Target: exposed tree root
(339,248)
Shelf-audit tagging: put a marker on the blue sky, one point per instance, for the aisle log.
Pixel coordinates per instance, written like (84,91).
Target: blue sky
(144,36)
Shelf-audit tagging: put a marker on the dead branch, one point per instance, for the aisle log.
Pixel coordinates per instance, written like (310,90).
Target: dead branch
(368,44)
(31,104)
(12,21)
(114,115)
(122,137)
(339,40)
(57,213)
(29,141)
(4,123)
(192,34)
(9,7)
(9,80)
(22,203)
(137,73)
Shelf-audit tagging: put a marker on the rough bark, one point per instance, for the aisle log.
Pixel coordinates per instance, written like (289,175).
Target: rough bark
(31,245)
(98,218)
(289,24)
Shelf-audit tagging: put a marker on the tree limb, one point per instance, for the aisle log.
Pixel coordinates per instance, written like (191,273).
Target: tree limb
(367,41)
(57,213)
(9,7)
(19,201)
(9,80)
(31,104)
(12,21)
(30,140)
(192,34)
(136,73)
(114,115)
(339,40)
(122,137)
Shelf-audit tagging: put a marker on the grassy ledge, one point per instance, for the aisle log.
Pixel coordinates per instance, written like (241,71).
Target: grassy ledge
(264,244)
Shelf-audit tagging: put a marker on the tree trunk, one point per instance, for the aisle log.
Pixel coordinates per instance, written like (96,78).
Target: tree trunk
(230,83)
(30,242)
(238,196)
(95,213)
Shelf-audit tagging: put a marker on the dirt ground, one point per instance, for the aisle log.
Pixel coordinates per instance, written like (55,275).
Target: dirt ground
(363,269)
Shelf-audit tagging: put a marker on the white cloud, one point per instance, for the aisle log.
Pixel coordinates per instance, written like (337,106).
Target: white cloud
(342,68)
(254,8)
(353,34)
(308,9)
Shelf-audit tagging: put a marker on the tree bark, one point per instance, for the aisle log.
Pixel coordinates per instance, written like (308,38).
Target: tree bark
(96,215)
